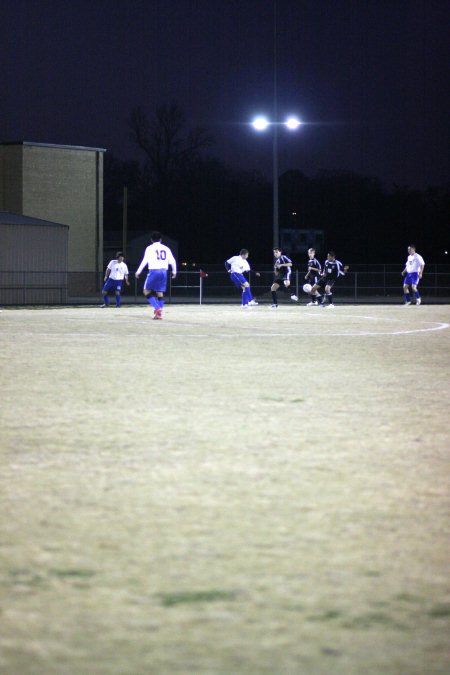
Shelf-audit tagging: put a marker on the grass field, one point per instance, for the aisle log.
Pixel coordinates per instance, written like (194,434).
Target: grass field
(225,492)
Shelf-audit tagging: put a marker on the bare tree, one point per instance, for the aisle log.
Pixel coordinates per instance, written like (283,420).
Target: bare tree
(166,143)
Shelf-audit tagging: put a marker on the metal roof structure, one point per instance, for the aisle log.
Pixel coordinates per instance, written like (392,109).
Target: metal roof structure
(54,145)
(7,218)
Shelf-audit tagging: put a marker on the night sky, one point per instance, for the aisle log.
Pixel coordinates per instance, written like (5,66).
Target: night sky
(369,78)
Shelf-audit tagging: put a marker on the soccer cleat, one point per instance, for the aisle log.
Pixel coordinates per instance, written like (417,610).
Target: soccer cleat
(329,305)
(104,305)
(157,314)
(273,307)
(294,298)
(418,301)
(407,303)
(245,306)
(313,302)
(253,303)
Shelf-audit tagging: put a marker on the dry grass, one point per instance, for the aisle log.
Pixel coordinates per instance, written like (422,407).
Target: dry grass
(224,492)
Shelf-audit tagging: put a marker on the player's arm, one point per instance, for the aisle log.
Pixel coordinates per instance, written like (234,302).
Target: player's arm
(126,275)
(314,269)
(172,263)
(141,267)
(422,265)
(227,266)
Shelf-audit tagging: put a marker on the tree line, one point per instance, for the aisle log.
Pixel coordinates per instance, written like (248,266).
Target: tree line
(213,210)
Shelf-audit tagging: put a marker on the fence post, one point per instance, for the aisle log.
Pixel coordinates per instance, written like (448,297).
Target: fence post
(356,286)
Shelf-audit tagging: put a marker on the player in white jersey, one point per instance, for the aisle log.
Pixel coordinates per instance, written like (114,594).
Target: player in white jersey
(115,273)
(237,265)
(413,273)
(158,258)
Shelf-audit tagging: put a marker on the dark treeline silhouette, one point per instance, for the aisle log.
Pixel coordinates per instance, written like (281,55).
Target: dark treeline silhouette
(214,210)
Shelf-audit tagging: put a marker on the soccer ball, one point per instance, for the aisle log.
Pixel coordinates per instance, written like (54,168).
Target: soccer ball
(307,288)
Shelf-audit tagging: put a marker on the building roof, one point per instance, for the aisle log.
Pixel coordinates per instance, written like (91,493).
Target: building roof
(7,218)
(54,145)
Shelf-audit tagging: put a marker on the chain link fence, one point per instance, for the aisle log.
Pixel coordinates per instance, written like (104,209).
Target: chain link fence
(362,283)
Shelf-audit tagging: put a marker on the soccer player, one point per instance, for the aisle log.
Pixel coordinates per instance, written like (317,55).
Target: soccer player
(314,271)
(115,273)
(158,258)
(413,273)
(237,265)
(332,270)
(282,271)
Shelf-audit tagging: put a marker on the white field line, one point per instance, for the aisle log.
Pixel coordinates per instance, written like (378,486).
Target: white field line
(237,335)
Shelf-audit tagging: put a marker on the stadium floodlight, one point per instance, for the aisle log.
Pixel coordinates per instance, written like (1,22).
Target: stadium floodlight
(292,123)
(260,123)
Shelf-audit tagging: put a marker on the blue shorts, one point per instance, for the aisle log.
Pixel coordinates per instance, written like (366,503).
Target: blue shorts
(238,279)
(411,279)
(112,285)
(156,281)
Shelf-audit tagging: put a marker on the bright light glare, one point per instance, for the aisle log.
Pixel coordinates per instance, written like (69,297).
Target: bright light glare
(260,123)
(292,123)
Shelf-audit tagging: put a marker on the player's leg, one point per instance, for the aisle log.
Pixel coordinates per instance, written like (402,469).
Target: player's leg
(147,290)
(240,282)
(274,290)
(313,295)
(159,304)
(328,296)
(159,287)
(406,294)
(317,293)
(247,296)
(288,289)
(105,291)
(118,291)
(151,287)
(151,299)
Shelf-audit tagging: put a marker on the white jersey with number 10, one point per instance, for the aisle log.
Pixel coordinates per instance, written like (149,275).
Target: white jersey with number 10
(158,257)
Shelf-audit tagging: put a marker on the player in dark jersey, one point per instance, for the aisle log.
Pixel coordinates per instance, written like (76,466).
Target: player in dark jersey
(282,276)
(314,270)
(332,270)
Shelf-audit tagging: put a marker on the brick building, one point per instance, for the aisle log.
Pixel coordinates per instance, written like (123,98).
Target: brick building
(61,184)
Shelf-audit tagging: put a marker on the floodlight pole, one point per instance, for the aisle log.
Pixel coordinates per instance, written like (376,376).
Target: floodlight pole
(125,220)
(275,232)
